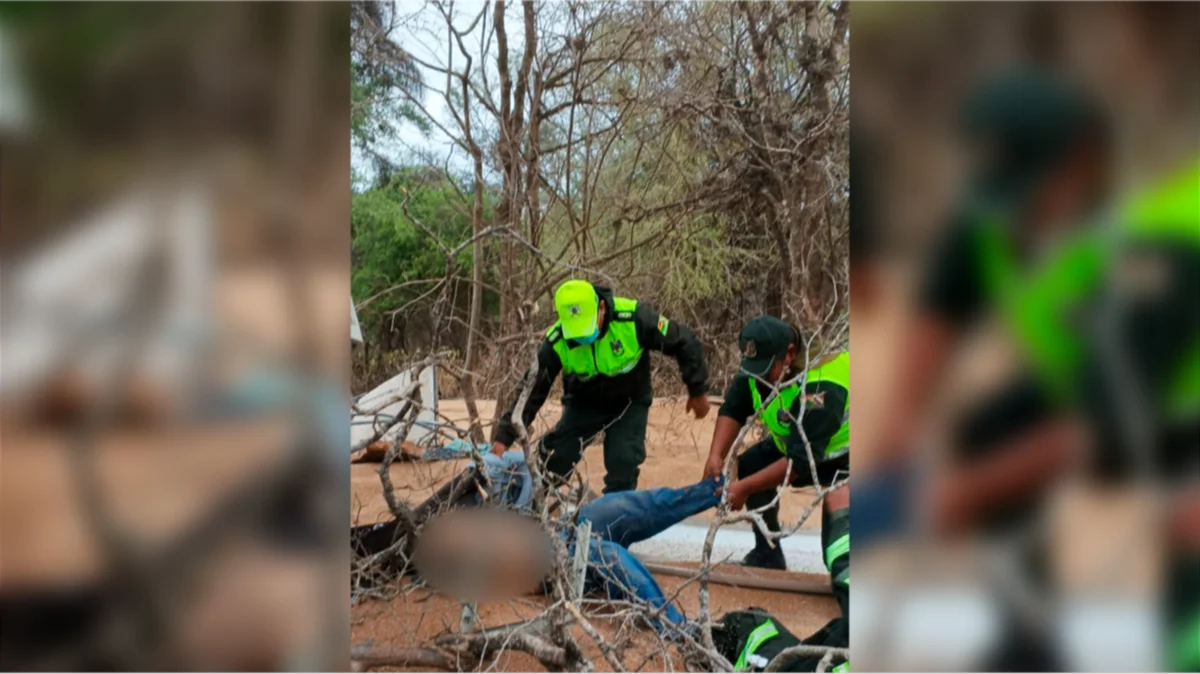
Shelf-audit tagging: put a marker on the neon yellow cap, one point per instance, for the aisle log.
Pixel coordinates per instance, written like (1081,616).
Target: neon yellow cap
(577,305)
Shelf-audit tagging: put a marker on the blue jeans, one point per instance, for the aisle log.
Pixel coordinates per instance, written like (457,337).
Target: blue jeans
(623,518)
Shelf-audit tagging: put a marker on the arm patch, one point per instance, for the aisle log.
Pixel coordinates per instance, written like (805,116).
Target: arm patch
(663,324)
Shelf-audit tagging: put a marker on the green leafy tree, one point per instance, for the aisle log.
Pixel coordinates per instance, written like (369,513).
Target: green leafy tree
(398,258)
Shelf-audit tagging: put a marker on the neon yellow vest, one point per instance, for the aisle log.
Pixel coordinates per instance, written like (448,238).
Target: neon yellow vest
(1036,303)
(761,635)
(613,354)
(1172,213)
(777,416)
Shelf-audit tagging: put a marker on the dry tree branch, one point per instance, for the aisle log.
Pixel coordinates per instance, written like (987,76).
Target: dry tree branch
(599,640)
(803,650)
(364,657)
(482,646)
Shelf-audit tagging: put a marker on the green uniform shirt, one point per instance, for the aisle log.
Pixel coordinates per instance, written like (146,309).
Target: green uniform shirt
(825,404)
(615,370)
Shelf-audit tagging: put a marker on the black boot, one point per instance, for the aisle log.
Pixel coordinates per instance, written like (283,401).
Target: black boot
(764,556)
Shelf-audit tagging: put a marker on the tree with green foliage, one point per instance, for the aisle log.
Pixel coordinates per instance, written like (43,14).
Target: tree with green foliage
(401,230)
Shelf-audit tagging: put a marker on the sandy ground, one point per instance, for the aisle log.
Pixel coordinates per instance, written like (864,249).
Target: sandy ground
(421,616)
(676,447)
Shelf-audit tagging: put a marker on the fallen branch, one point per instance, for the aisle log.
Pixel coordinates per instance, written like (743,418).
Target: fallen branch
(385,475)
(803,650)
(366,656)
(484,645)
(591,631)
(706,637)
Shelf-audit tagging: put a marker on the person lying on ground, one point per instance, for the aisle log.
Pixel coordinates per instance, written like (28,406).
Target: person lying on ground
(601,346)
(618,520)
(774,353)
(752,638)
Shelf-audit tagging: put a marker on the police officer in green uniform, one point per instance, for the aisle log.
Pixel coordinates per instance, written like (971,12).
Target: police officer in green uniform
(773,353)
(600,344)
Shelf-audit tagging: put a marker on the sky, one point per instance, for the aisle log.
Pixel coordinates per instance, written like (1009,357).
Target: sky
(423,33)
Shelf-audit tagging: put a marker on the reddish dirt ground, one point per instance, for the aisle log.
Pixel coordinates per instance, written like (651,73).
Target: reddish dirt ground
(420,617)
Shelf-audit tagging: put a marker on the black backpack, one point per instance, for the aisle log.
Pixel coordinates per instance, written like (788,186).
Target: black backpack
(737,630)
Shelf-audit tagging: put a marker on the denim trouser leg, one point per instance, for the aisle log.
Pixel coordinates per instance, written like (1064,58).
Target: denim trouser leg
(621,519)
(630,516)
(623,576)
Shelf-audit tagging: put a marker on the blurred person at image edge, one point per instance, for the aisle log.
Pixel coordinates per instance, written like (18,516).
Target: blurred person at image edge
(1101,302)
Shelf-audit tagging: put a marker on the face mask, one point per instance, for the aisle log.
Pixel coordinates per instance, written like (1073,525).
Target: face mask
(590,338)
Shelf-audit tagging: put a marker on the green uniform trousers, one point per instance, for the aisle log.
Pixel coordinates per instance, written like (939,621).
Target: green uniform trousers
(624,443)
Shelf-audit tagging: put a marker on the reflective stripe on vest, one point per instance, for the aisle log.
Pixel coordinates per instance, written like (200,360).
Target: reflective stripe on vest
(777,416)
(836,549)
(615,353)
(761,635)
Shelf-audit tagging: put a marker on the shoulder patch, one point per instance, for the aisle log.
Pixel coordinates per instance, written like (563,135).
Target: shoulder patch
(814,401)
(663,324)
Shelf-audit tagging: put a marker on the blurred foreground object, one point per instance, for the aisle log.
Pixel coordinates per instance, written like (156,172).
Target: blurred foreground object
(1044,422)
(14,104)
(65,306)
(173,194)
